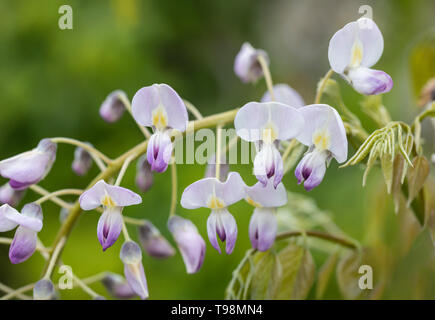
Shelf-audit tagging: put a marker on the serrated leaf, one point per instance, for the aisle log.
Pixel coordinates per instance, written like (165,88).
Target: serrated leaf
(325,273)
(417,176)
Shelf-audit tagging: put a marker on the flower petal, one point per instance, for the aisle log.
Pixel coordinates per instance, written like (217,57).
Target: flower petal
(23,245)
(148,99)
(144,175)
(135,275)
(267,196)
(212,223)
(285,94)
(109,227)
(6,224)
(159,151)
(10,196)
(369,81)
(117,286)
(262,228)
(311,169)
(154,244)
(113,108)
(230,227)
(267,164)
(323,117)
(123,197)
(254,118)
(30,218)
(246,64)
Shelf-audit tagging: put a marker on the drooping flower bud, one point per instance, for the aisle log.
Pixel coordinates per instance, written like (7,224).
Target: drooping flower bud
(246,65)
(29,167)
(118,286)
(44,290)
(144,175)
(131,256)
(82,161)
(10,196)
(113,107)
(189,241)
(154,244)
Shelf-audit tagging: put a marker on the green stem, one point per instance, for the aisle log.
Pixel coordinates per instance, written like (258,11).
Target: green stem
(85,146)
(322,86)
(54,199)
(267,76)
(174,188)
(318,234)
(193,110)
(59,193)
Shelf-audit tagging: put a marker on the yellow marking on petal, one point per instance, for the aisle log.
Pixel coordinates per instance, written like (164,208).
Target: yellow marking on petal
(357,54)
(108,202)
(252,202)
(215,203)
(160,118)
(321,140)
(269,133)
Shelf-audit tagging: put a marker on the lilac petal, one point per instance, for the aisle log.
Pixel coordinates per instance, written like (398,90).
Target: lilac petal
(325,118)
(123,197)
(267,164)
(109,227)
(10,196)
(159,151)
(369,81)
(267,196)
(246,65)
(154,244)
(364,34)
(212,223)
(144,175)
(189,241)
(113,108)
(6,224)
(135,275)
(285,94)
(199,193)
(23,245)
(311,169)
(255,120)
(82,161)
(117,286)
(230,226)
(91,198)
(262,229)
(148,99)
(30,167)
(30,218)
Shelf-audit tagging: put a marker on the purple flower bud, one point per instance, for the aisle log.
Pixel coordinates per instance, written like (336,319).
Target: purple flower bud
(210,170)
(154,244)
(144,175)
(10,196)
(82,161)
(222,223)
(131,256)
(44,290)
(117,286)
(113,107)
(189,241)
(159,151)
(369,81)
(262,228)
(29,167)
(246,65)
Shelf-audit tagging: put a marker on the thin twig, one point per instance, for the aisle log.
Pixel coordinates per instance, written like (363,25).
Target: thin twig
(127,106)
(59,193)
(56,200)
(267,75)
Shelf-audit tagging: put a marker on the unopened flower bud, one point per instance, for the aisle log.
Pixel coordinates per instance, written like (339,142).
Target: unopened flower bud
(246,65)
(154,244)
(11,196)
(44,290)
(118,286)
(131,256)
(113,107)
(144,175)
(82,161)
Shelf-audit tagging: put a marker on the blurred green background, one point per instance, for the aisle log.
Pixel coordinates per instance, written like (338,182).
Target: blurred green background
(53,81)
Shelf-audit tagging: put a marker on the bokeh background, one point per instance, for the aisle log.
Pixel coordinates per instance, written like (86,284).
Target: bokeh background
(53,81)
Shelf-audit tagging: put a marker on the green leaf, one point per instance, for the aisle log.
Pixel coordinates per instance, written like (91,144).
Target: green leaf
(348,276)
(263,274)
(398,168)
(387,170)
(417,176)
(325,273)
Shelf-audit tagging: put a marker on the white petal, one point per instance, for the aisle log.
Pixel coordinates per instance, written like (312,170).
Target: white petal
(267,196)
(285,94)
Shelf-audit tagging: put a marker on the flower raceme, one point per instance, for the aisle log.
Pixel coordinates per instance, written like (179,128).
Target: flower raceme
(263,224)
(189,241)
(353,50)
(265,124)
(29,223)
(325,136)
(29,167)
(160,107)
(246,65)
(113,199)
(217,196)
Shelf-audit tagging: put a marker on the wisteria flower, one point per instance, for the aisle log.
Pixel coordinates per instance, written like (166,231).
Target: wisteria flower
(118,286)
(154,244)
(29,223)
(266,124)
(113,107)
(144,175)
(189,241)
(263,224)
(29,167)
(131,256)
(285,94)
(353,50)
(10,196)
(160,107)
(82,161)
(246,65)
(113,199)
(325,136)
(216,195)
(44,290)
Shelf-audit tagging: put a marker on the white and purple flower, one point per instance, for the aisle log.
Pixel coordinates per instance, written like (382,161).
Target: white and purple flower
(113,199)
(113,107)
(131,256)
(160,107)
(325,135)
(154,244)
(216,195)
(246,65)
(353,50)
(285,94)
(263,224)
(189,241)
(29,223)
(29,167)
(266,124)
